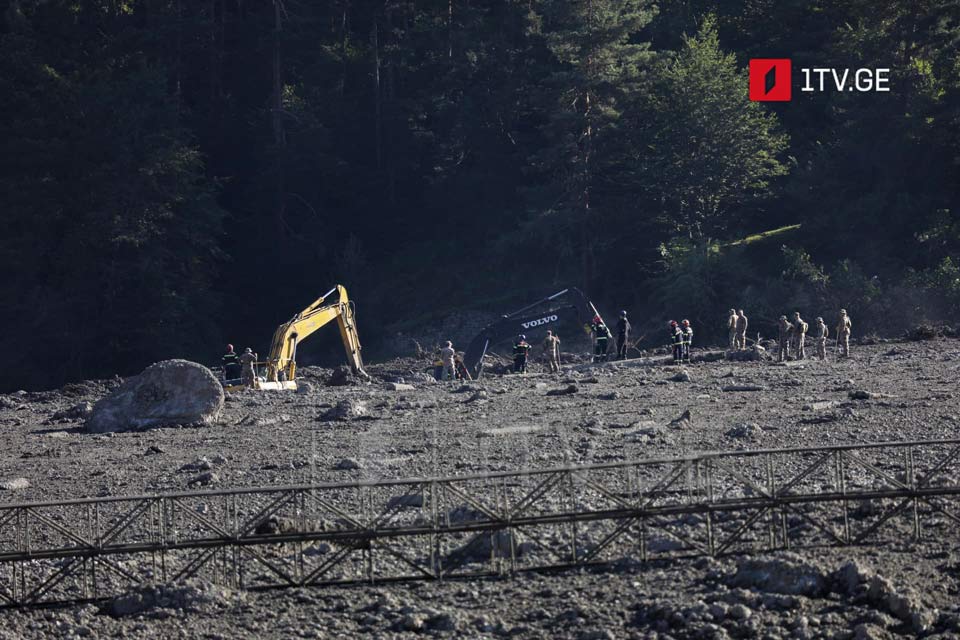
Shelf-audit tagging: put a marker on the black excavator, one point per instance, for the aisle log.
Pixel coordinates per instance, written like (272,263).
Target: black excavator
(533,318)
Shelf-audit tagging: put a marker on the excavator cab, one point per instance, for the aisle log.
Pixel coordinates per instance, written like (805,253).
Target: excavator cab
(542,314)
(281,364)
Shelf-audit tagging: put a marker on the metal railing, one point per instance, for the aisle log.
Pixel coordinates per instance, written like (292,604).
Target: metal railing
(440,528)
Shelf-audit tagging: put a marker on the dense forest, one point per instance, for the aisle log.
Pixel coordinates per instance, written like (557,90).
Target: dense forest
(177,174)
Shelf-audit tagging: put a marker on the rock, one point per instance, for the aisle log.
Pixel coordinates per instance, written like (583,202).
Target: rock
(414,500)
(740,612)
(346,409)
(15,484)
(747,355)
(304,387)
(172,392)
(192,596)
(741,387)
(200,464)
(480,394)
(153,450)
(79,411)
(342,376)
(787,574)
(681,421)
(205,479)
(613,395)
(411,622)
(347,464)
(850,577)
(569,389)
(745,430)
(399,386)
(486,545)
(681,376)
(866,631)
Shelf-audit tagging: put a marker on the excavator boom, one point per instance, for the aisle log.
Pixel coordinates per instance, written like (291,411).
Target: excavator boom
(282,363)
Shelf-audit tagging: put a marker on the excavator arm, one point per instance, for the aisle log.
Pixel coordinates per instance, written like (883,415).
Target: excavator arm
(282,361)
(542,314)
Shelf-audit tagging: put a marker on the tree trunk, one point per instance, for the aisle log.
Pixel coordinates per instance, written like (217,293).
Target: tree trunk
(377,107)
(279,135)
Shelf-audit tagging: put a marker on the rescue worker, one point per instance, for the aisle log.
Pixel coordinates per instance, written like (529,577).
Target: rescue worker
(800,328)
(231,364)
(601,335)
(783,338)
(520,351)
(687,340)
(247,361)
(623,335)
(843,333)
(447,355)
(676,339)
(551,348)
(741,340)
(822,333)
(732,328)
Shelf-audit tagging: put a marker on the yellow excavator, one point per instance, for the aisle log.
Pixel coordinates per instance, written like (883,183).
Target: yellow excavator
(282,361)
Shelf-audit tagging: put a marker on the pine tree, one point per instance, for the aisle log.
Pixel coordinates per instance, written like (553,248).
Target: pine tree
(702,148)
(597,67)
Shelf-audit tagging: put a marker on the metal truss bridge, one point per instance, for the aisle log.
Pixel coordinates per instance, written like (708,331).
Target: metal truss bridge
(714,503)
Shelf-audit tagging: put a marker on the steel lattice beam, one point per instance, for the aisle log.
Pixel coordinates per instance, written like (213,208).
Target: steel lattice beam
(435,528)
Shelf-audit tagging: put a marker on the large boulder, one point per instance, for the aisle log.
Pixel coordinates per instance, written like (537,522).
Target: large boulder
(171,392)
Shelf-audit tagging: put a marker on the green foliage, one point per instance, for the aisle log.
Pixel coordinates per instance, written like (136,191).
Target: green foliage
(173,172)
(702,146)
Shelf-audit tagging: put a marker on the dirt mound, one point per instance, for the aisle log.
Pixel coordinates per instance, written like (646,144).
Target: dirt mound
(172,392)
(194,597)
(928,332)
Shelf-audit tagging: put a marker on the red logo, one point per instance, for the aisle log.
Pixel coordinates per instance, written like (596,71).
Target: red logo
(770,79)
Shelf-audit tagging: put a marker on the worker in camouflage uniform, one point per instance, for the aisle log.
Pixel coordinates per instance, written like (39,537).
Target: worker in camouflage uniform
(741,339)
(521,349)
(247,361)
(623,335)
(800,328)
(822,333)
(447,355)
(732,328)
(785,331)
(551,348)
(687,339)
(676,341)
(844,325)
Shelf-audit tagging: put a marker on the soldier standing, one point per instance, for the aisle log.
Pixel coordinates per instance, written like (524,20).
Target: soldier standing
(623,335)
(601,336)
(447,355)
(783,338)
(843,333)
(551,347)
(247,373)
(676,340)
(520,351)
(687,340)
(741,340)
(732,328)
(800,329)
(822,333)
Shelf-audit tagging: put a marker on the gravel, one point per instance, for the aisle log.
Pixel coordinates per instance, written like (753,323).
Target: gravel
(433,430)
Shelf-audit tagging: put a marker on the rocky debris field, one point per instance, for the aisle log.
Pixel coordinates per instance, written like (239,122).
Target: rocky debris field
(404,424)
